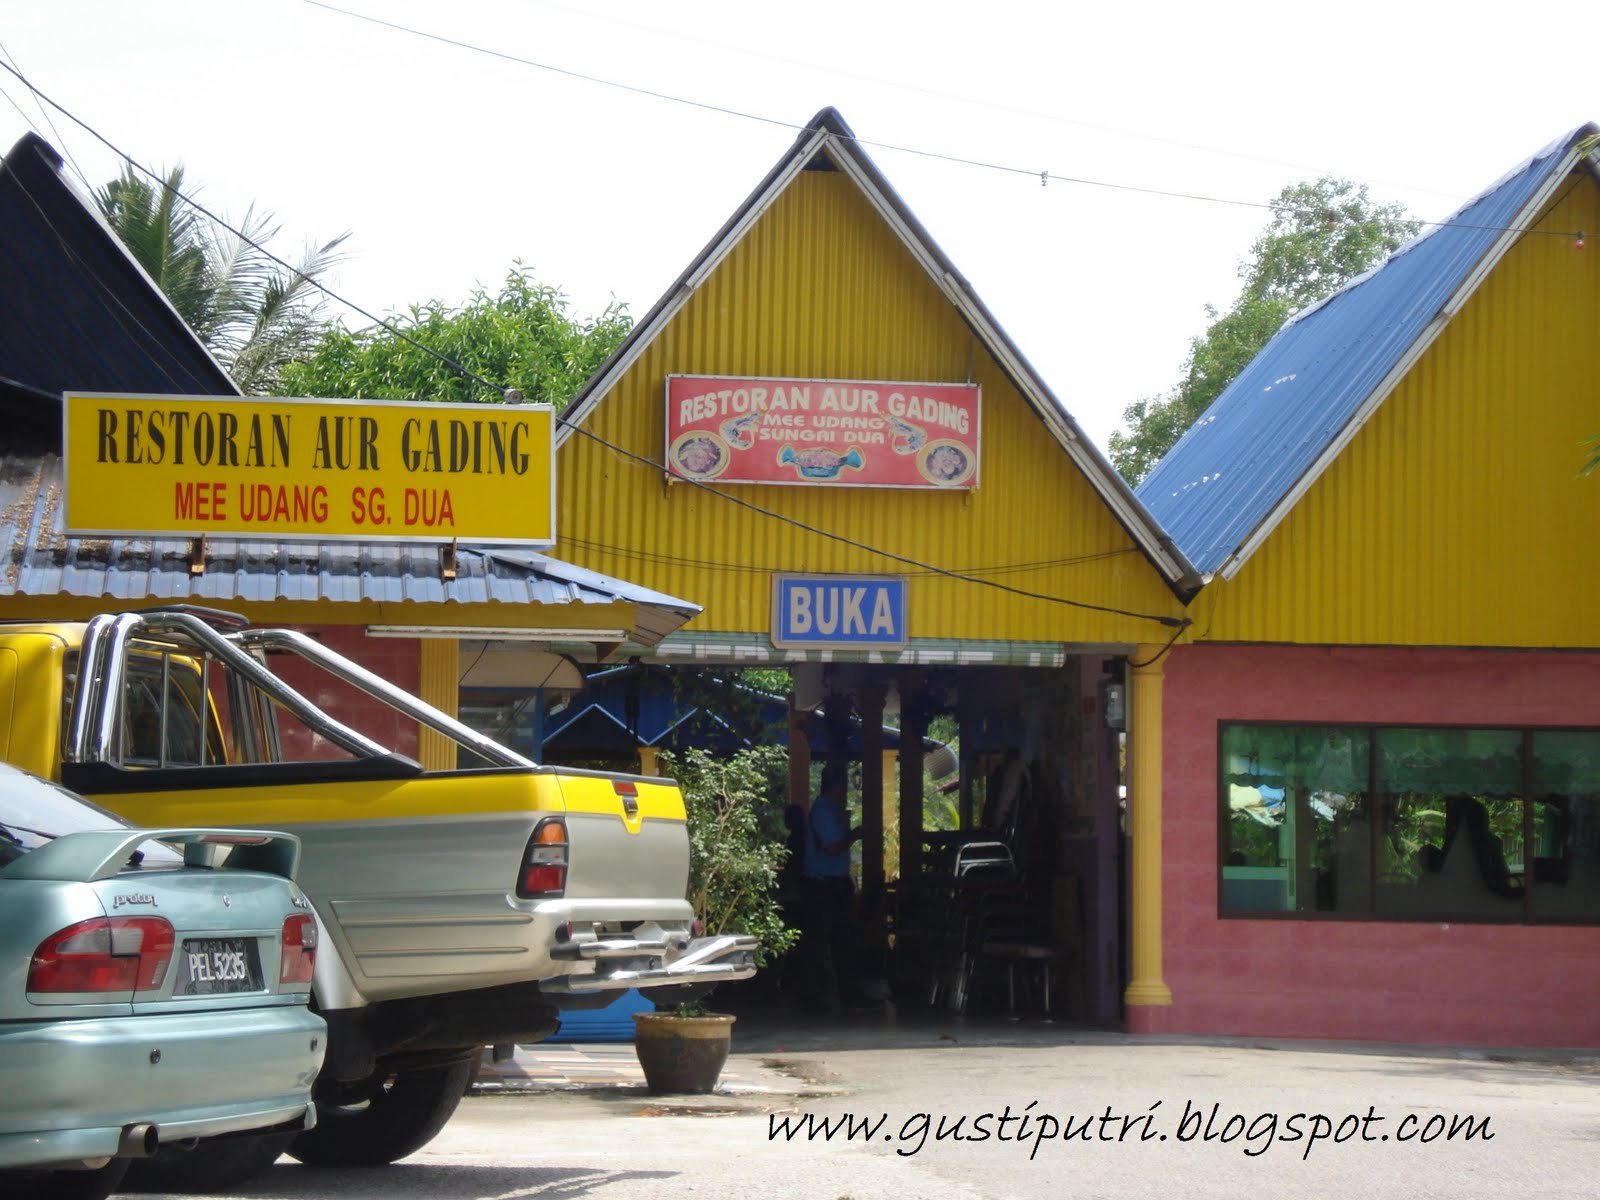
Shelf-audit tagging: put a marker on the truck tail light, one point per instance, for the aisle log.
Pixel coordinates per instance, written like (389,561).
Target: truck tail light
(105,954)
(628,791)
(299,958)
(544,863)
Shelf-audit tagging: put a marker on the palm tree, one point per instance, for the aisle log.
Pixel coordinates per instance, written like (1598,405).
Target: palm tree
(253,312)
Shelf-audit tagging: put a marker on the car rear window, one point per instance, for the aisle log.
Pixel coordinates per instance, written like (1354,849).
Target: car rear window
(34,811)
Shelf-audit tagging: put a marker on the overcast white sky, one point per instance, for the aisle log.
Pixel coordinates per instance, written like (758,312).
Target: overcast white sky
(446,164)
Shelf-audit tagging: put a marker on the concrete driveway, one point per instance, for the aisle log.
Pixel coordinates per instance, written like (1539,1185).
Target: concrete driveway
(954,1111)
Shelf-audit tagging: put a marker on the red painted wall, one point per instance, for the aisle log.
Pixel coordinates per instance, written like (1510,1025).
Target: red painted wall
(1420,982)
(398,660)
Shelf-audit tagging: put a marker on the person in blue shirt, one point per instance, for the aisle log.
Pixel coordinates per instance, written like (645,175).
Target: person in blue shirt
(829,929)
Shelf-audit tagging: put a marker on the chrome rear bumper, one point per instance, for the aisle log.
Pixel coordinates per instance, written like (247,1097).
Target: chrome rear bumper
(622,962)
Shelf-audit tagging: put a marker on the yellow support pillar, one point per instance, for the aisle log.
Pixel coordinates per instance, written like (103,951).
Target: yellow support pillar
(1147,988)
(441,687)
(650,761)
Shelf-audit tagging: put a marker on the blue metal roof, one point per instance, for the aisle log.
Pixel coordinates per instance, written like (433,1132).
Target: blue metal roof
(1245,456)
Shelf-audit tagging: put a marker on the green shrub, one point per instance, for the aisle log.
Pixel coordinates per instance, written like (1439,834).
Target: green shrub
(735,805)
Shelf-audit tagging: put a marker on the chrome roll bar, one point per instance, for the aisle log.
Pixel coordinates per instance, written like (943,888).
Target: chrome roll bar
(103,664)
(380,688)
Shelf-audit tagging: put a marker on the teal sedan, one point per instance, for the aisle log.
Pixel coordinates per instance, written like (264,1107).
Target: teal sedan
(154,989)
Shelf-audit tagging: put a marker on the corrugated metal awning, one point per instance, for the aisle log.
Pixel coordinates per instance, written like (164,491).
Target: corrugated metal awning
(42,560)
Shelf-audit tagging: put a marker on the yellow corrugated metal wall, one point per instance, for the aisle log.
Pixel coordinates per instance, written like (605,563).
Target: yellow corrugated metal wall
(821,287)
(1455,517)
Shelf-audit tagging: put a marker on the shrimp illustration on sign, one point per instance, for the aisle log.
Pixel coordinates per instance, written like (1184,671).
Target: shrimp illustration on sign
(908,438)
(740,432)
(818,462)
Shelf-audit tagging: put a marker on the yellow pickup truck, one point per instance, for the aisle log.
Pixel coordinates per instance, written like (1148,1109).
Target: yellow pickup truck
(463,908)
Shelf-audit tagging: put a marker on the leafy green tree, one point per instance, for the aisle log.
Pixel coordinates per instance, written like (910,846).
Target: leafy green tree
(735,808)
(253,312)
(1321,235)
(521,337)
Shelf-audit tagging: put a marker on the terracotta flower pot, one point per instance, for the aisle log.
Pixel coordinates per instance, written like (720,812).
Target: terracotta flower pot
(682,1055)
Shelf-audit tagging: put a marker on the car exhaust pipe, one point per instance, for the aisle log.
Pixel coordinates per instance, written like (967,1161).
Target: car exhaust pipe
(138,1141)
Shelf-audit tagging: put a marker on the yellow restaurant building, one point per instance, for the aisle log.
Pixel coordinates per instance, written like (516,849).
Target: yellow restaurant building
(822,435)
(1300,738)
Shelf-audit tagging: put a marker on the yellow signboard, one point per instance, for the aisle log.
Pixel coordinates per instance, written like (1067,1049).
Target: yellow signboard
(368,470)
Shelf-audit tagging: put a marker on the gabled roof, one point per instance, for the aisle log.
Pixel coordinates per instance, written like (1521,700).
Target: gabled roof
(1228,482)
(827,137)
(77,313)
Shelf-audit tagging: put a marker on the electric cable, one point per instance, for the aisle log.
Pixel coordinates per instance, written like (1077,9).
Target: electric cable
(1044,176)
(1012,110)
(643,460)
(65,151)
(1161,653)
(658,558)
(103,293)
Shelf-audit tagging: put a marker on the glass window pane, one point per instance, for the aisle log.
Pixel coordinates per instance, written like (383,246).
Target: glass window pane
(1450,838)
(1566,813)
(1298,836)
(511,718)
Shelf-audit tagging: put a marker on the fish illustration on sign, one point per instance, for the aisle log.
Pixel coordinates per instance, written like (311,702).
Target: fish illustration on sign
(819,462)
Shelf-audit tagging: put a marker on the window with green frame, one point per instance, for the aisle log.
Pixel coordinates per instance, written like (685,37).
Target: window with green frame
(1420,823)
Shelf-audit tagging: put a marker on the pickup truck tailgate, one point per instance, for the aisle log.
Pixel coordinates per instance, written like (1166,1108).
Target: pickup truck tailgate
(628,835)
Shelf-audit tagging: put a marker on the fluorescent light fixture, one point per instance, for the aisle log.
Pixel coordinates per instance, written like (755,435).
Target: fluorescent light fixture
(498,633)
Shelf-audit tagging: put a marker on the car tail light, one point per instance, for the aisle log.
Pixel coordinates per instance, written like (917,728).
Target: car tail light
(544,863)
(106,954)
(299,957)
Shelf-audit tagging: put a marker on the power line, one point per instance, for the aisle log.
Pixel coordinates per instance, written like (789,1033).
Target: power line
(659,558)
(901,85)
(892,556)
(1044,176)
(65,150)
(643,460)
(106,295)
(238,233)
(1029,172)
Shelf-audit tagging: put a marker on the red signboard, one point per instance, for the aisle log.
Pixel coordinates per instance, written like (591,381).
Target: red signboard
(839,433)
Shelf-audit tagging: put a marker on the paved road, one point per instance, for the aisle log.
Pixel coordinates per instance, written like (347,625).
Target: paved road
(1147,1108)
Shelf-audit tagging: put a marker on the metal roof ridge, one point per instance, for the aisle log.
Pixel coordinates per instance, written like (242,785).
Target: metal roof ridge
(1481,249)
(1431,228)
(580,576)
(32,142)
(828,131)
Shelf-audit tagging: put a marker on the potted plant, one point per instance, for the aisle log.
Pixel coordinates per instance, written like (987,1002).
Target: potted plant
(682,1049)
(736,849)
